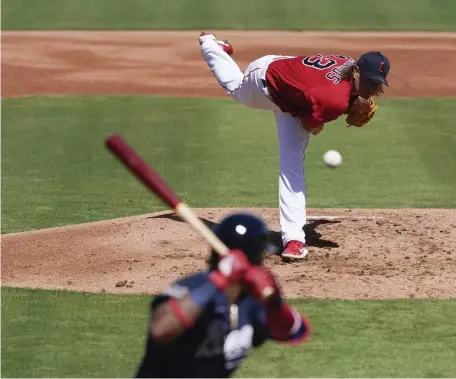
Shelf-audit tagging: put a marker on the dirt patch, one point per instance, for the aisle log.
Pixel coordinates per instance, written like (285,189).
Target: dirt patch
(353,254)
(170,63)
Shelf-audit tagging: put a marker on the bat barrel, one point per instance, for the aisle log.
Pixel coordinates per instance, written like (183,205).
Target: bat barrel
(146,174)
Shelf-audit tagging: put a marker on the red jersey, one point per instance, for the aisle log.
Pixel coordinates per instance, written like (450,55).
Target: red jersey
(310,88)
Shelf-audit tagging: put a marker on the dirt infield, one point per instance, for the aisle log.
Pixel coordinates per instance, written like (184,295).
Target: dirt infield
(354,254)
(169,63)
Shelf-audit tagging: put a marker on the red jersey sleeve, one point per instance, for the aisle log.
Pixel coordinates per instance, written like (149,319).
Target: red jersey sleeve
(327,105)
(314,118)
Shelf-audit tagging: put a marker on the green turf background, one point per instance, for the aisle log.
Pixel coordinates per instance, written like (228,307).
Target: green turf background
(63,334)
(209,150)
(437,15)
(55,171)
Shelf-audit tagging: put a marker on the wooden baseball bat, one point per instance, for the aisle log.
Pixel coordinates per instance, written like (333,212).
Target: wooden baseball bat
(153,181)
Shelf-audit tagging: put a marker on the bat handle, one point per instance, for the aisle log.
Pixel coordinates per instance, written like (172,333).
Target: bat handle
(267,293)
(184,211)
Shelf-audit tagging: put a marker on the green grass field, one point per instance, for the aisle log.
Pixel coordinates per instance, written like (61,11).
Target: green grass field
(233,14)
(63,334)
(56,171)
(209,149)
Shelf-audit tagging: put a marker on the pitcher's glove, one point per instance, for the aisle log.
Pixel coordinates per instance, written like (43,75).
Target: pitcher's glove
(361,111)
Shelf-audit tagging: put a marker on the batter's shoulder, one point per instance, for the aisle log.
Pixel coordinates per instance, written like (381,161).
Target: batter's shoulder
(180,288)
(183,285)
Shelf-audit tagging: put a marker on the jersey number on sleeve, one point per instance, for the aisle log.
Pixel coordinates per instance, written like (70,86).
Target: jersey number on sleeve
(319,62)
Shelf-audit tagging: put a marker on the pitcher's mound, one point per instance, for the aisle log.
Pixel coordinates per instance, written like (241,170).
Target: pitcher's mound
(353,254)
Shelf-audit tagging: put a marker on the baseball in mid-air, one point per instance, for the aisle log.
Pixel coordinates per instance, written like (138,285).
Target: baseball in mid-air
(332,158)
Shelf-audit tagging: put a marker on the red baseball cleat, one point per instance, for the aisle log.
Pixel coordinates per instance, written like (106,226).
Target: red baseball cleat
(225,45)
(295,250)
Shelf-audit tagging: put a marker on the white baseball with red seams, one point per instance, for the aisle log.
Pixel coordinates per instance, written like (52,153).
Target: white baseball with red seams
(248,88)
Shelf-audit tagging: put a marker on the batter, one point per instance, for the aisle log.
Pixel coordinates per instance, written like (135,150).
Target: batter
(204,325)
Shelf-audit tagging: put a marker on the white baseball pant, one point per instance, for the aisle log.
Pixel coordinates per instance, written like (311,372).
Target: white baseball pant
(248,88)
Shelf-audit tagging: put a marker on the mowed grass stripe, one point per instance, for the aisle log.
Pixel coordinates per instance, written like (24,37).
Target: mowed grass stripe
(214,152)
(233,14)
(434,148)
(405,154)
(57,334)
(66,334)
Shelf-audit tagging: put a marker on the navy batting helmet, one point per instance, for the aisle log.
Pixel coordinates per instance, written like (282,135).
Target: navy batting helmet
(245,232)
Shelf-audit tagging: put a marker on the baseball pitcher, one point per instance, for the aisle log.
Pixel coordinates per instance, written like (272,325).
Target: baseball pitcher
(305,93)
(205,324)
